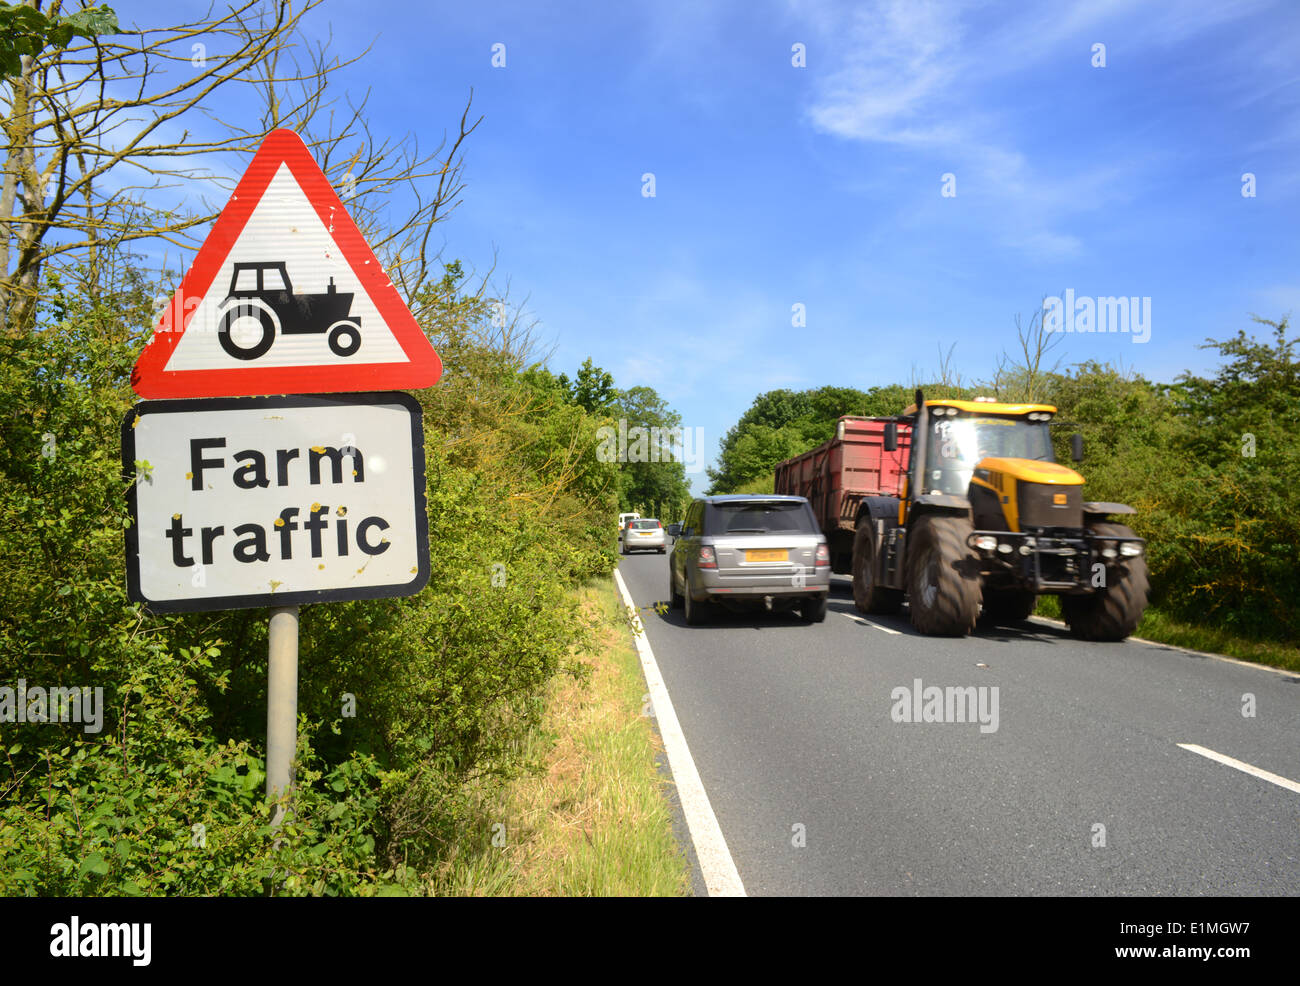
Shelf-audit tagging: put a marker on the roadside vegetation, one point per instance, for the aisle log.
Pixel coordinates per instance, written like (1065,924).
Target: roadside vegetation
(593,820)
(1211,464)
(414,712)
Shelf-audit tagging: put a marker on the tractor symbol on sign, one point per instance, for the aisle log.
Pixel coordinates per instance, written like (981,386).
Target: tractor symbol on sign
(261,303)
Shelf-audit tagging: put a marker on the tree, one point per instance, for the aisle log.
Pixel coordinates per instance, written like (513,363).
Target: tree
(782,423)
(24,30)
(593,389)
(94,149)
(660,483)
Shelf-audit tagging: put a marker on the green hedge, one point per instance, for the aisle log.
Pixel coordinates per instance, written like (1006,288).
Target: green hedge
(169,797)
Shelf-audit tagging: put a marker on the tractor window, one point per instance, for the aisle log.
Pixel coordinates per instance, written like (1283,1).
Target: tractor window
(273,279)
(957,444)
(246,280)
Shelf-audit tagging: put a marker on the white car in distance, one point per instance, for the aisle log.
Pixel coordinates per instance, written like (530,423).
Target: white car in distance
(644,534)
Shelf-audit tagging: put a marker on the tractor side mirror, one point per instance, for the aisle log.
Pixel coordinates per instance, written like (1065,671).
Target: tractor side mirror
(891,436)
(1076,447)
(674,530)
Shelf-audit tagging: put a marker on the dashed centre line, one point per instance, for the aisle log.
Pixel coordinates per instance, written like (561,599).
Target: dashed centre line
(1244,767)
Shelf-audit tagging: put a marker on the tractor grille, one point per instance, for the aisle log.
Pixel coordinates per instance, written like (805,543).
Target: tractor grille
(1039,506)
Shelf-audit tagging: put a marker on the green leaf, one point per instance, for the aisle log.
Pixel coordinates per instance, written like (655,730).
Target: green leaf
(92,21)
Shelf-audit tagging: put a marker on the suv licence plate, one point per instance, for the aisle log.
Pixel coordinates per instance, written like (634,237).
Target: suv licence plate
(767,554)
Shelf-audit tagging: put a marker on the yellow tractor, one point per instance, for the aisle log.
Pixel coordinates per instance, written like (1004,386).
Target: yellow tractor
(984,520)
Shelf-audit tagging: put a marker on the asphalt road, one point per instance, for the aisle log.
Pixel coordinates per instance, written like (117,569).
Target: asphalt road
(790,726)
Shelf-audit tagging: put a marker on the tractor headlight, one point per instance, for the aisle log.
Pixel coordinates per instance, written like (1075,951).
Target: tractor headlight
(1004,548)
(986,542)
(1108,552)
(1130,548)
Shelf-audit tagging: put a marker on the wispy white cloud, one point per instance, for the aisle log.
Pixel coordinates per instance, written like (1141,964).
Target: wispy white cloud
(930,78)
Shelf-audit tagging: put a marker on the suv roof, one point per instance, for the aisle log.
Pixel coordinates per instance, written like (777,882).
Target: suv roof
(744,497)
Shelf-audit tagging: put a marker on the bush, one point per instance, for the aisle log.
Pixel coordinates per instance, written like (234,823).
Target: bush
(445,683)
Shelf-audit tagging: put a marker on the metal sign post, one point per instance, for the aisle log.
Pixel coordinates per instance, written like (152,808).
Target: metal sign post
(281,705)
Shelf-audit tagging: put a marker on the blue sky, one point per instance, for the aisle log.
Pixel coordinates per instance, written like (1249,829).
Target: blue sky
(777,185)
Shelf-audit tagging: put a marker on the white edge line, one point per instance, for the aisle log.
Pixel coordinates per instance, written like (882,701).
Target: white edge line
(1241,765)
(719,869)
(1187,650)
(857,619)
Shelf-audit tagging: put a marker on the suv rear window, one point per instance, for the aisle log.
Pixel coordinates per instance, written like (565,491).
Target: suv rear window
(760,517)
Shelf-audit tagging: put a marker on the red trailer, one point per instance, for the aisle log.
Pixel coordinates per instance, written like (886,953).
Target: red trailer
(837,474)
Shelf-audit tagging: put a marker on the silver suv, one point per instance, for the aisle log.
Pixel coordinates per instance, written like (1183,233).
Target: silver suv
(749,550)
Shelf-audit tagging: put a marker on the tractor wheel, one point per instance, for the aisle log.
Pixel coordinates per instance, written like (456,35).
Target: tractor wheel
(345,338)
(1007,606)
(246,309)
(1111,613)
(943,582)
(867,596)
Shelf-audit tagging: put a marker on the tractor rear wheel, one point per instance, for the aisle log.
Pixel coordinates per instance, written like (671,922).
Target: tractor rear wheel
(1114,611)
(246,309)
(943,583)
(869,597)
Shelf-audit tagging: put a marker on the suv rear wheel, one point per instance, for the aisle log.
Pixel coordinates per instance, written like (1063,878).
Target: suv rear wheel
(813,610)
(696,613)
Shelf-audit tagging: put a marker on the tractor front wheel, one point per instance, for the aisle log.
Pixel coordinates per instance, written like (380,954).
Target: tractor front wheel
(1115,609)
(943,584)
(345,338)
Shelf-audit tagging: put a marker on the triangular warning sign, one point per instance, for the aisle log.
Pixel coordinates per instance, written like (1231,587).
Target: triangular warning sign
(284,297)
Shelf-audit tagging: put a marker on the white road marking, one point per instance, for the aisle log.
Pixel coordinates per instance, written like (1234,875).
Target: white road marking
(868,623)
(719,869)
(1254,771)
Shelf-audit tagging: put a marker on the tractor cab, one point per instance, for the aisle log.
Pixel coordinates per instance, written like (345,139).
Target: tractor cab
(999,457)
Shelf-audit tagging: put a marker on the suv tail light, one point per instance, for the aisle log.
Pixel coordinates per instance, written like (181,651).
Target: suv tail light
(707,558)
(823,557)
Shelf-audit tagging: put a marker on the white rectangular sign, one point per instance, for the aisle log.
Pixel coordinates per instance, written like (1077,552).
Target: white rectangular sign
(275,501)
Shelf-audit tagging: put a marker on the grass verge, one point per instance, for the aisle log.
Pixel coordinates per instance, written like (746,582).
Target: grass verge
(1164,629)
(592,819)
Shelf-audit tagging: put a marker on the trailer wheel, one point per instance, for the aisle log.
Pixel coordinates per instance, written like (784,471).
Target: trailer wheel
(869,597)
(247,308)
(943,584)
(345,338)
(1114,612)
(1007,606)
